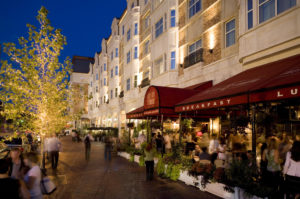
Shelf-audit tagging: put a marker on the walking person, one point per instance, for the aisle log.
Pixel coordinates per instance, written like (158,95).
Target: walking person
(108,147)
(87,143)
(33,176)
(271,155)
(213,148)
(149,161)
(17,166)
(291,171)
(54,146)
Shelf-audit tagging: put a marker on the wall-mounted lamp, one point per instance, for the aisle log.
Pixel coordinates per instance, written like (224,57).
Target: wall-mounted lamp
(211,51)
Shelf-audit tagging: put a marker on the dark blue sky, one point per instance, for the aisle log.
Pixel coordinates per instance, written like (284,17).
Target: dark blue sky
(83,22)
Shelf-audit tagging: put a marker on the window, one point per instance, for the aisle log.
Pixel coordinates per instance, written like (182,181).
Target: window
(91,84)
(101,83)
(173,18)
(194,7)
(230,33)
(135,81)
(123,30)
(159,27)
(173,60)
(101,69)
(97,89)
(112,73)
(166,21)
(128,57)
(250,13)
(147,21)
(146,47)
(128,35)
(111,55)
(111,94)
(195,46)
(136,29)
(159,66)
(104,81)
(116,92)
(267,8)
(117,52)
(128,84)
(116,70)
(132,5)
(135,52)
(145,2)
(97,76)
(104,67)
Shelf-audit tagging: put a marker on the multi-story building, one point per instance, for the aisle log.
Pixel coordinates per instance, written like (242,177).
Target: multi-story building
(180,43)
(79,83)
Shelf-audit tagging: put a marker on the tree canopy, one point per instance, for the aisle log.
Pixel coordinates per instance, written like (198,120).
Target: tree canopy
(35,85)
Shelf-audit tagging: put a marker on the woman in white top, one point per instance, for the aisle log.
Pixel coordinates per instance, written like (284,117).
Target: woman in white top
(33,176)
(292,170)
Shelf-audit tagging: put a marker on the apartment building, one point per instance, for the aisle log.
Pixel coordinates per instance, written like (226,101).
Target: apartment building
(180,43)
(79,83)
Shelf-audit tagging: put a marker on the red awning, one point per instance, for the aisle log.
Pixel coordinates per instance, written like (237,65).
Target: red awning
(161,100)
(236,90)
(136,114)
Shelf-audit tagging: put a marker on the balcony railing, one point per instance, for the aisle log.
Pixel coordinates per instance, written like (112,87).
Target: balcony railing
(193,58)
(145,82)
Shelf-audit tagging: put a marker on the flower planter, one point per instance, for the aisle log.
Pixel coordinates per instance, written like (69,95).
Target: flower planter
(124,155)
(218,190)
(240,194)
(137,159)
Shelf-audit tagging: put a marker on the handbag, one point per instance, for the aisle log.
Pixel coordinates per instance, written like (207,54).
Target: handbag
(47,186)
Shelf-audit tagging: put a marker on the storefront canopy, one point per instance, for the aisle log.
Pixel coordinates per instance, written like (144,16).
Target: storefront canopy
(136,114)
(273,81)
(161,100)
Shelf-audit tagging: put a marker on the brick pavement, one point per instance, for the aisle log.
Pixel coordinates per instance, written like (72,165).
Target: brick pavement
(116,179)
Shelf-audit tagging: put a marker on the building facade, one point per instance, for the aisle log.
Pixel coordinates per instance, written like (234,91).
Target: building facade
(180,43)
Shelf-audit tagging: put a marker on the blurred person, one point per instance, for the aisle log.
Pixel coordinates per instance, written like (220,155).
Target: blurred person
(149,161)
(271,155)
(176,138)
(10,187)
(196,153)
(141,139)
(213,148)
(204,155)
(17,166)
(284,146)
(222,150)
(291,171)
(54,146)
(159,143)
(167,141)
(87,145)
(33,176)
(108,147)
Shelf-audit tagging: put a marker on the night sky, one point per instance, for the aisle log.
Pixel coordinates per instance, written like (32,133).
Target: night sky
(83,22)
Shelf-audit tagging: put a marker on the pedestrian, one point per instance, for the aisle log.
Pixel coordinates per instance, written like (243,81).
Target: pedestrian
(159,143)
(54,146)
(271,155)
(149,161)
(291,171)
(33,176)
(168,146)
(10,187)
(108,147)
(17,166)
(213,148)
(222,150)
(87,143)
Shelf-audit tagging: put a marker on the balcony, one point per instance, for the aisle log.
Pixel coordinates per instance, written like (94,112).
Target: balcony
(193,58)
(145,82)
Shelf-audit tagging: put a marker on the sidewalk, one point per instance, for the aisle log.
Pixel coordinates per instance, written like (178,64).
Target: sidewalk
(116,179)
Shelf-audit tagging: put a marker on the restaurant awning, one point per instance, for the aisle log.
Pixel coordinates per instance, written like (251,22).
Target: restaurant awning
(161,100)
(136,114)
(253,85)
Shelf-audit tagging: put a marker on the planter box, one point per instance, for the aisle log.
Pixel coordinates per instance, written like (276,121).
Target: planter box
(188,180)
(137,158)
(124,155)
(218,190)
(240,194)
